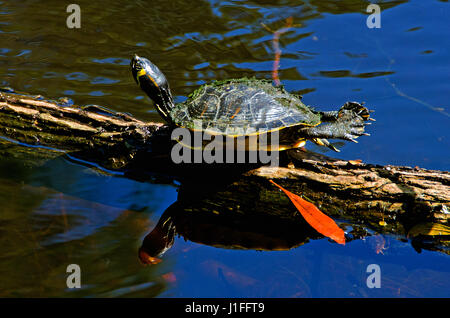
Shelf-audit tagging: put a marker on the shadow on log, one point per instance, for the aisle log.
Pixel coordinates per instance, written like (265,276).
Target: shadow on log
(386,199)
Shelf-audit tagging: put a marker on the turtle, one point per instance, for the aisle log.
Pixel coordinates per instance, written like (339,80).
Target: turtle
(247,107)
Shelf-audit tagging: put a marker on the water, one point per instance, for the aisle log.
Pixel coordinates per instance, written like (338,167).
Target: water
(60,212)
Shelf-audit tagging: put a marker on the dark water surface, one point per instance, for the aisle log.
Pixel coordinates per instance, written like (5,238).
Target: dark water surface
(60,212)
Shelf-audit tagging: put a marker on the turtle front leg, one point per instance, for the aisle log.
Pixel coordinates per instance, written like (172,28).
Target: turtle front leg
(348,124)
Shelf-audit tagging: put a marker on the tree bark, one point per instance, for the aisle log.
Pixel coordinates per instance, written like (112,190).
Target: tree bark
(387,198)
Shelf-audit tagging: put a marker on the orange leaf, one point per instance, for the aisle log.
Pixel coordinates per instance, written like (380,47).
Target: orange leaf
(319,221)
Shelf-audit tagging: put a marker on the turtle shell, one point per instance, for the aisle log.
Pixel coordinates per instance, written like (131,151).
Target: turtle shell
(242,107)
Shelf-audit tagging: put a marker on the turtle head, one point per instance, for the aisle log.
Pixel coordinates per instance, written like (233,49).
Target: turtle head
(153,82)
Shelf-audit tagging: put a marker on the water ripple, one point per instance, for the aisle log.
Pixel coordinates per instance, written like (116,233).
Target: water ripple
(112,60)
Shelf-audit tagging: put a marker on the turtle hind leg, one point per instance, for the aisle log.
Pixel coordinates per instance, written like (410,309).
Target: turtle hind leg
(348,124)
(346,129)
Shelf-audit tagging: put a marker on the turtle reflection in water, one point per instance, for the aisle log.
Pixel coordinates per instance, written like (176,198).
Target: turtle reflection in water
(224,229)
(250,107)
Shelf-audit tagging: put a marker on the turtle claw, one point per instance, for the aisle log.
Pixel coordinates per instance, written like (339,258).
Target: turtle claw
(351,137)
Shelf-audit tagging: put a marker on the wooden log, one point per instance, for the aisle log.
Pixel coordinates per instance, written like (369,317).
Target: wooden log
(389,199)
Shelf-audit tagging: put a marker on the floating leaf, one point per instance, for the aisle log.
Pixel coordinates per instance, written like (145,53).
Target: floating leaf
(319,221)
(380,243)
